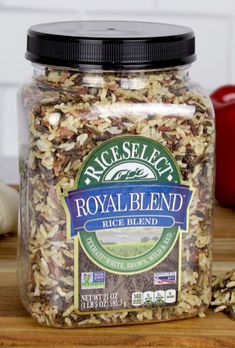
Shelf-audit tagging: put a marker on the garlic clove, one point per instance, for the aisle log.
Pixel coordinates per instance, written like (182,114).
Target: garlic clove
(9,199)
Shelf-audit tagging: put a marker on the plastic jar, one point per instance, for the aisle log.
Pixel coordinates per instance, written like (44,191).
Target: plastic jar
(117,170)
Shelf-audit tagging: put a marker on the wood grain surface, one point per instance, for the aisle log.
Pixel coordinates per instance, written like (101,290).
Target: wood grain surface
(18,329)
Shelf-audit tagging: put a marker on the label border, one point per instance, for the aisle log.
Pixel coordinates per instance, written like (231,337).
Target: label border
(76,239)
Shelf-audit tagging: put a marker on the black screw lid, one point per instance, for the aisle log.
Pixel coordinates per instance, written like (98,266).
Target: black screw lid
(111,44)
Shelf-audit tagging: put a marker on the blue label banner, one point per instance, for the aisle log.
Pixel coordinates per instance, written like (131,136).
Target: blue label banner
(128,205)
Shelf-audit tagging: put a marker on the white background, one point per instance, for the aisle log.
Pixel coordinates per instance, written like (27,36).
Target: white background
(212,20)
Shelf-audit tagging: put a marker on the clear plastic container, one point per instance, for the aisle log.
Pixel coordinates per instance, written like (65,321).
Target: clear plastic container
(117,171)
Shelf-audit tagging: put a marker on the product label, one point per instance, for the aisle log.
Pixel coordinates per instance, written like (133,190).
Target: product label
(126,215)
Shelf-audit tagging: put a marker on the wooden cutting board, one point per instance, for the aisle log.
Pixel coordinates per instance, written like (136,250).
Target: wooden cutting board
(18,329)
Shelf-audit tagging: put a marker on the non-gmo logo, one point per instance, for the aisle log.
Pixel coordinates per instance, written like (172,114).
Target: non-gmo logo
(93,280)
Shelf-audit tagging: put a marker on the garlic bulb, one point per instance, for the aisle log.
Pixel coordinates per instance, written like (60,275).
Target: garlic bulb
(8,209)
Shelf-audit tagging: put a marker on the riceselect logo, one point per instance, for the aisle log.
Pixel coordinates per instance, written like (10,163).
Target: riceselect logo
(144,162)
(127,185)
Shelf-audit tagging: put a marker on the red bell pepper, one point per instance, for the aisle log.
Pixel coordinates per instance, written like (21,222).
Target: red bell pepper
(224,104)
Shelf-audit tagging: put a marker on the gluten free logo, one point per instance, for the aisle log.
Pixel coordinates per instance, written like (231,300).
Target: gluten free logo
(128,205)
